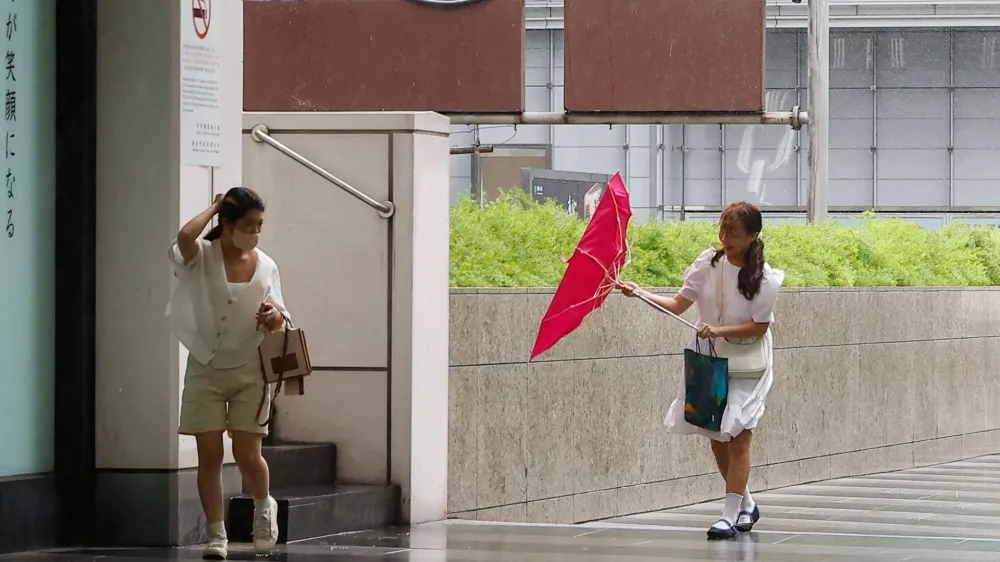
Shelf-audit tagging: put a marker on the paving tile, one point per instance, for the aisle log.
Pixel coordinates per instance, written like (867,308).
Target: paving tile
(946,512)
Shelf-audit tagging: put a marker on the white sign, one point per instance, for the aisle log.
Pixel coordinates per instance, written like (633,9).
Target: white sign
(201,100)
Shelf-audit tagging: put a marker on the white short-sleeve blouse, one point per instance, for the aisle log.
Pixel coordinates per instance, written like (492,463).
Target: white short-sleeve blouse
(215,321)
(700,288)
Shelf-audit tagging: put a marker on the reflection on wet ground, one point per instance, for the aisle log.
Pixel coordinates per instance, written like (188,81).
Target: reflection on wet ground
(947,512)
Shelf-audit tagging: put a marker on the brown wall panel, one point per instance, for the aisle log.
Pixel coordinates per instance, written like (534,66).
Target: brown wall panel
(383,55)
(665,55)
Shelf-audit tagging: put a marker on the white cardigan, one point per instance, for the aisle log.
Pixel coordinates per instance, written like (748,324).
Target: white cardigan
(217,326)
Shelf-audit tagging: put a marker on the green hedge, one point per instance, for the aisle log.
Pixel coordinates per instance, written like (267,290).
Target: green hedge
(515,242)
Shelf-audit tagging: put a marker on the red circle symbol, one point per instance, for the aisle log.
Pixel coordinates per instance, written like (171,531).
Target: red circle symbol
(201,16)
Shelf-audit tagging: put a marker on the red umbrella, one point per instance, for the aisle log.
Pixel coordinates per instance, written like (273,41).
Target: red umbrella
(593,269)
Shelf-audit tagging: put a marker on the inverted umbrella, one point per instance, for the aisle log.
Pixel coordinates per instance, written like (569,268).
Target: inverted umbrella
(594,269)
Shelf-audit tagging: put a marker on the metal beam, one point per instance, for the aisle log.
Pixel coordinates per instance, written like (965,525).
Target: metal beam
(481,149)
(819,109)
(794,118)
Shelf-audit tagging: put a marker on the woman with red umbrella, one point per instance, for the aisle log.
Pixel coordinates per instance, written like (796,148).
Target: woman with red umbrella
(736,292)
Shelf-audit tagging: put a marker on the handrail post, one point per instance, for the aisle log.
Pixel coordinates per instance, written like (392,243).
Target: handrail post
(260,133)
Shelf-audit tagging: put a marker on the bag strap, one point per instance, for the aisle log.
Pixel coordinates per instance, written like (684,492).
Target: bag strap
(711,347)
(719,287)
(719,294)
(281,379)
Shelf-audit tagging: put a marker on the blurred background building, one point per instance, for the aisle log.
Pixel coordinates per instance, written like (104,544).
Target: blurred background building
(915,122)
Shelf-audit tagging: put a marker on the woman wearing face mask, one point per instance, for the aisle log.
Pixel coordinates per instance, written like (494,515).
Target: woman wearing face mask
(229,295)
(738,272)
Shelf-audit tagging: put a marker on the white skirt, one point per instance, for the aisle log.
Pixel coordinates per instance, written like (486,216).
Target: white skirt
(744,407)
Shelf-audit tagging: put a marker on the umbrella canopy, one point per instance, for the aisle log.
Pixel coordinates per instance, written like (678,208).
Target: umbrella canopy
(593,269)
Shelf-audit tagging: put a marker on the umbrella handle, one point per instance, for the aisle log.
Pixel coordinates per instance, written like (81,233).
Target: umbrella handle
(646,300)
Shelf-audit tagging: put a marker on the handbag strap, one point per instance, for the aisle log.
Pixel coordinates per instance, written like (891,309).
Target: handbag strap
(263,395)
(711,347)
(719,287)
(281,376)
(719,292)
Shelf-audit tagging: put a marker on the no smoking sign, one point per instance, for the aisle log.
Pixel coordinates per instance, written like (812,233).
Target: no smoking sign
(200,82)
(201,16)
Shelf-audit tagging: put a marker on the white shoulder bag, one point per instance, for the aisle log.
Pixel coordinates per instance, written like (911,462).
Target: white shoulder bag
(748,356)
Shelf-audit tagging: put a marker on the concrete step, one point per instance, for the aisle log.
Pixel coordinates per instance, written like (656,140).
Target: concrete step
(315,511)
(300,464)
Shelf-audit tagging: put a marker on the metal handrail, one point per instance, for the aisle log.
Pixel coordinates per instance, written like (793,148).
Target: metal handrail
(261,133)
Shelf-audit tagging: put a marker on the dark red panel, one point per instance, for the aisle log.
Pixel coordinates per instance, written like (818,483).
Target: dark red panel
(383,55)
(665,55)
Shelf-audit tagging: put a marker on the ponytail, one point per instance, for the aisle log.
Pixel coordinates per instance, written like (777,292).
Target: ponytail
(215,233)
(752,272)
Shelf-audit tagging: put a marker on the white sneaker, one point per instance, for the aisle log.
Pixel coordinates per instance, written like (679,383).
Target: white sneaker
(265,526)
(217,549)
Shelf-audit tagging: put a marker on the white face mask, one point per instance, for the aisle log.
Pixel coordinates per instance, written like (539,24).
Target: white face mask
(245,240)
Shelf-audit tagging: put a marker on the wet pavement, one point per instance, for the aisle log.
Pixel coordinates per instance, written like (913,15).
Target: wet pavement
(947,512)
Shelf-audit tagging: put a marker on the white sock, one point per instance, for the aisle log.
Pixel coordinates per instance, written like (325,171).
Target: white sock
(217,529)
(730,511)
(261,504)
(748,503)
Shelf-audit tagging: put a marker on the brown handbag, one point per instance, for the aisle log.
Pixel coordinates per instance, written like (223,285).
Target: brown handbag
(284,356)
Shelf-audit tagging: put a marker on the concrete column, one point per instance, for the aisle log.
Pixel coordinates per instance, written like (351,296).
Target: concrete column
(819,110)
(146,492)
(371,293)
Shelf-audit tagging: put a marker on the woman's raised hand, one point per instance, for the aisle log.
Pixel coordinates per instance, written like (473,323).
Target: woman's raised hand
(628,289)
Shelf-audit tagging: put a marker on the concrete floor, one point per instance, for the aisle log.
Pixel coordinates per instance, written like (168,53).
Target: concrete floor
(948,512)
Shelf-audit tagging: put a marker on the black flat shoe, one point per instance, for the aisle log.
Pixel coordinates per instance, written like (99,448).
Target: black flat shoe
(747,526)
(727,532)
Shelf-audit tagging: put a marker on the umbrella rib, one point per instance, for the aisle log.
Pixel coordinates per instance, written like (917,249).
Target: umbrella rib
(612,272)
(603,290)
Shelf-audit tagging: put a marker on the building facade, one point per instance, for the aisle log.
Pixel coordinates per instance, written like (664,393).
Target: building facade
(46,271)
(91,375)
(914,101)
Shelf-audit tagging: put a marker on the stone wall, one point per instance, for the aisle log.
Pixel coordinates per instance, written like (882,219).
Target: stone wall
(866,381)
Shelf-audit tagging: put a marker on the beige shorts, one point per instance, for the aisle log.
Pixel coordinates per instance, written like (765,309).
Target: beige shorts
(223,399)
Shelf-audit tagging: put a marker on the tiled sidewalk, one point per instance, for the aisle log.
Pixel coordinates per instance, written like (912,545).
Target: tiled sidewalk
(948,512)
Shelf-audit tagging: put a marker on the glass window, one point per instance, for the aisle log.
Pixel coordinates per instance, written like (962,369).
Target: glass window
(977,148)
(761,162)
(27,243)
(914,108)
(913,162)
(913,59)
(702,165)
(977,59)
